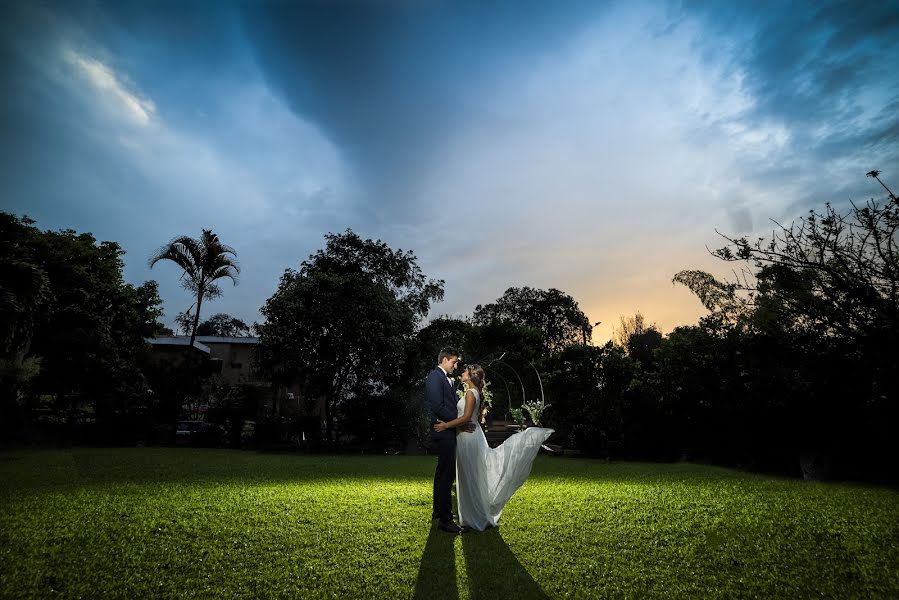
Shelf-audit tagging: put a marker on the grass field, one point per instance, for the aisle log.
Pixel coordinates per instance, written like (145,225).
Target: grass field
(191,523)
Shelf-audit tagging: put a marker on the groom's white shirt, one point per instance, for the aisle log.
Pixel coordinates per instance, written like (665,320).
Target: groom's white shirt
(448,380)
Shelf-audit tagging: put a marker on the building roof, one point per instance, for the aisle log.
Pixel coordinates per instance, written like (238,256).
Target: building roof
(216,339)
(177,340)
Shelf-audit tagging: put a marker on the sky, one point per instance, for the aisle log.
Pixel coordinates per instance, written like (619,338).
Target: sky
(594,147)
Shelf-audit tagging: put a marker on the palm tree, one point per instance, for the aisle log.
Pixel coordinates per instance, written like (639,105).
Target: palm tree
(204,261)
(875,174)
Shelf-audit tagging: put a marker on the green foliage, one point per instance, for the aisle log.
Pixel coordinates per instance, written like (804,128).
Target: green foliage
(343,324)
(231,406)
(66,305)
(798,353)
(829,273)
(347,254)
(221,324)
(142,523)
(184,321)
(552,312)
(203,262)
(641,346)
(833,272)
(518,417)
(24,287)
(379,422)
(589,387)
(719,298)
(443,333)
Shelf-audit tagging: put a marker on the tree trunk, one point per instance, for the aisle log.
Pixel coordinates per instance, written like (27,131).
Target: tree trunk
(193,329)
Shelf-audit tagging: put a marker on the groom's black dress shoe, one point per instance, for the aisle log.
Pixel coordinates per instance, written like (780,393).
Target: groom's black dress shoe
(449,527)
(434,516)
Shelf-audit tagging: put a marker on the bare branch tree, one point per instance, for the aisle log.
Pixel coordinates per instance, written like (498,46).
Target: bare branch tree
(832,272)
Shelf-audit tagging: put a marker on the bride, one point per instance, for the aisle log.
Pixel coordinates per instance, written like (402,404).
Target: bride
(487,477)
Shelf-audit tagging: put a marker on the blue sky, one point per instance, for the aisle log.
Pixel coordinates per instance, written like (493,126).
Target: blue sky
(588,146)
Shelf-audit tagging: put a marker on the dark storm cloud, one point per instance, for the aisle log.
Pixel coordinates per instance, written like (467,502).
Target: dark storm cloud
(807,61)
(386,81)
(826,71)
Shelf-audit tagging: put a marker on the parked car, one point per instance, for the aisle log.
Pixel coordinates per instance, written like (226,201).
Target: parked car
(199,433)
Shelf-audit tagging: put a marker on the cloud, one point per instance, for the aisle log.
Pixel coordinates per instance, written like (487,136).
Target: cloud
(588,181)
(91,150)
(592,148)
(608,165)
(821,74)
(388,82)
(803,62)
(270,197)
(111,88)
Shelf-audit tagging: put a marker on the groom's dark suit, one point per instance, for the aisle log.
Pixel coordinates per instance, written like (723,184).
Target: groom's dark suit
(442,401)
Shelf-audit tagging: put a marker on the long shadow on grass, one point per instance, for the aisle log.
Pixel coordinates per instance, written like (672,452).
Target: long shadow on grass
(494,571)
(437,572)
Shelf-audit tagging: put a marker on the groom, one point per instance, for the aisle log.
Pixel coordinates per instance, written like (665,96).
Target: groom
(442,400)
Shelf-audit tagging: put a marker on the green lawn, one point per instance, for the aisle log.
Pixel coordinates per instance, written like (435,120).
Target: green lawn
(167,522)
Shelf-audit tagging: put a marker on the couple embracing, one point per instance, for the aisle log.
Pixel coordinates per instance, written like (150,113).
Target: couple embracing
(485,477)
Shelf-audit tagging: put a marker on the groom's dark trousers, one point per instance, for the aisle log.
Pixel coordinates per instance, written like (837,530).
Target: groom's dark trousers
(442,402)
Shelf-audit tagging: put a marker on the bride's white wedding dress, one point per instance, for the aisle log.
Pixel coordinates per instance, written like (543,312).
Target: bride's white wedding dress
(487,477)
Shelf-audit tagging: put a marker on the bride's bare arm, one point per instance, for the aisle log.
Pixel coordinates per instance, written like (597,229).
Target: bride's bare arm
(466,414)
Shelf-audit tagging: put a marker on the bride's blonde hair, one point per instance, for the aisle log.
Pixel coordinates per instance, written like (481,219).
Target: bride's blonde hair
(478,378)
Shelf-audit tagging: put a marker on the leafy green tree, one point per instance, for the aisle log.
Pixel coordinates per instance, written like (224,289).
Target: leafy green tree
(184,321)
(440,333)
(342,324)
(822,296)
(23,284)
(66,305)
(642,346)
(552,312)
(829,272)
(24,289)
(203,262)
(588,388)
(638,339)
(221,324)
(722,299)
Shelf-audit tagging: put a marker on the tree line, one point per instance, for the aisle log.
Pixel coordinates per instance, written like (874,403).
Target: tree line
(793,370)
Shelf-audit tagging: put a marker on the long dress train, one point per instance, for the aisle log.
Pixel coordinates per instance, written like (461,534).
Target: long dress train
(487,477)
